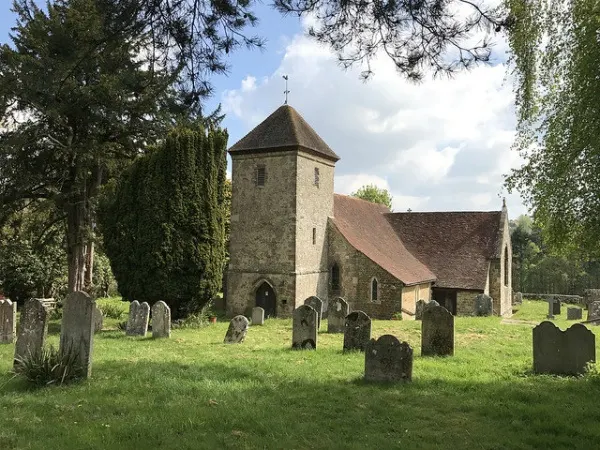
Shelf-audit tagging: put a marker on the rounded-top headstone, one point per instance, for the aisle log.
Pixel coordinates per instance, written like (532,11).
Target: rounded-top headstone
(8,321)
(238,328)
(317,304)
(437,332)
(304,328)
(338,310)
(258,316)
(161,320)
(387,359)
(357,331)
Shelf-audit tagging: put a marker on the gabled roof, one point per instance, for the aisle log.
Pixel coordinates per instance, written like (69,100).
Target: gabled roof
(285,129)
(365,227)
(456,246)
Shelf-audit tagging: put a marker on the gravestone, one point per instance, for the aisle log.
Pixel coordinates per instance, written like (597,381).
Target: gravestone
(430,304)
(483,305)
(556,307)
(357,331)
(317,304)
(236,333)
(32,330)
(161,320)
(591,295)
(550,309)
(419,308)
(338,310)
(388,359)
(574,313)
(305,320)
(258,316)
(437,332)
(562,352)
(518,298)
(594,312)
(139,315)
(77,330)
(98,319)
(8,321)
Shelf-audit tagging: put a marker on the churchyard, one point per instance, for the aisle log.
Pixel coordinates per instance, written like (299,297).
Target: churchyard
(193,391)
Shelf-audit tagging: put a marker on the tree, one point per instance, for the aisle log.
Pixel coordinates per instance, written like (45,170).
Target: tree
(163,222)
(556,59)
(374,194)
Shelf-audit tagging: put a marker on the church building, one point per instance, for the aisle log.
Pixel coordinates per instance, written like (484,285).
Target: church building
(292,237)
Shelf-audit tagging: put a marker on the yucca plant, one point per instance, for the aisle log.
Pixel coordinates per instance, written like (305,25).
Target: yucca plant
(49,366)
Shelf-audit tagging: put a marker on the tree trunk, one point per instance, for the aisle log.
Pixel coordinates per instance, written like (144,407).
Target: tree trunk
(89,266)
(76,225)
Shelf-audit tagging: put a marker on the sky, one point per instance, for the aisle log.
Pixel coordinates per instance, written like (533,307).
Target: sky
(440,145)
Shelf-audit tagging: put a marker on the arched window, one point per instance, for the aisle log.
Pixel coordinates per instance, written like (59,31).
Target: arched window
(335,278)
(506,266)
(374,290)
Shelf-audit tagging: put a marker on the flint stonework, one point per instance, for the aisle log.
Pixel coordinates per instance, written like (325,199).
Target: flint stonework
(98,319)
(304,328)
(236,333)
(574,313)
(32,330)
(357,331)
(336,320)
(594,312)
(437,332)
(388,360)
(8,321)
(77,329)
(258,316)
(562,352)
(483,305)
(139,315)
(161,320)
(317,304)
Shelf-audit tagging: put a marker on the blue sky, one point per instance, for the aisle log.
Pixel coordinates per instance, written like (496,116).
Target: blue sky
(439,145)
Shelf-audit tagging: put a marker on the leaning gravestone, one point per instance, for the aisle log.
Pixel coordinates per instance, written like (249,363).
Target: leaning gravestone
(238,327)
(562,352)
(32,330)
(419,308)
(484,305)
(304,328)
(98,319)
(8,321)
(161,320)
(556,307)
(338,310)
(437,332)
(574,313)
(77,330)
(139,315)
(317,304)
(387,359)
(357,331)
(594,313)
(258,316)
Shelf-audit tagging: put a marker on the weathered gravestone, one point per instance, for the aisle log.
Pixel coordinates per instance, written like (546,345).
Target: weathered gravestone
(236,333)
(357,331)
(388,359)
(32,330)
(139,315)
(518,298)
(574,313)
(8,321)
(258,316)
(419,308)
(562,352)
(430,304)
(304,327)
(338,310)
(98,319)
(317,304)
(550,309)
(437,332)
(591,295)
(77,330)
(161,320)
(484,305)
(556,307)
(594,313)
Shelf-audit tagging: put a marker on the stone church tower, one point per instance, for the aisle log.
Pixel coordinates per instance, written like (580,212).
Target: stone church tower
(282,180)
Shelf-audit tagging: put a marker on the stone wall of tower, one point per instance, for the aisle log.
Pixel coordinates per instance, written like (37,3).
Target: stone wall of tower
(500,273)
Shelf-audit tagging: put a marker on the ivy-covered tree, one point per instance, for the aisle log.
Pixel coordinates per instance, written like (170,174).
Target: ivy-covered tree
(163,222)
(374,194)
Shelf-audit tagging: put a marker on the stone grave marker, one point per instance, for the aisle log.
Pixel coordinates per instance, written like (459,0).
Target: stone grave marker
(591,295)
(388,359)
(518,298)
(338,310)
(357,331)
(317,304)
(550,309)
(437,332)
(574,313)
(98,319)
(139,315)
(484,305)
(236,333)
(562,352)
(594,312)
(161,320)
(32,330)
(77,329)
(258,316)
(419,308)
(8,321)
(556,307)
(305,320)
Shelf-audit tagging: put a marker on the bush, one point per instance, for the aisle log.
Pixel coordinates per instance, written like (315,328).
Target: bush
(112,308)
(49,367)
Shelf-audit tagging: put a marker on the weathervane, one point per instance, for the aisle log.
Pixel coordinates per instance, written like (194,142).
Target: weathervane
(286,92)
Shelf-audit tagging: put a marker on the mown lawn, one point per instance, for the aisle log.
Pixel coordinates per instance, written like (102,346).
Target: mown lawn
(193,392)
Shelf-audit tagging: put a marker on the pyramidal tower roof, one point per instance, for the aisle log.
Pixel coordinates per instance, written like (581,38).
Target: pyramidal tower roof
(284,129)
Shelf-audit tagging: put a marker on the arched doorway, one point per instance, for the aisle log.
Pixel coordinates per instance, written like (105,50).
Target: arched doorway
(265,298)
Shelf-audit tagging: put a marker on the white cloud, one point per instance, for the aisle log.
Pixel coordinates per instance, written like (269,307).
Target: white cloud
(249,84)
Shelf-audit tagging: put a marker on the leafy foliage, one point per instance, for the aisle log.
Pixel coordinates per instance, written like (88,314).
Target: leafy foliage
(49,367)
(163,222)
(374,194)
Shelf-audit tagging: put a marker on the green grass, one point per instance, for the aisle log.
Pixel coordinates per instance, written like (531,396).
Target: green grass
(193,392)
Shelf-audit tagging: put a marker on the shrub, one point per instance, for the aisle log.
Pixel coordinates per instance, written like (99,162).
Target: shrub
(49,367)
(113,310)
